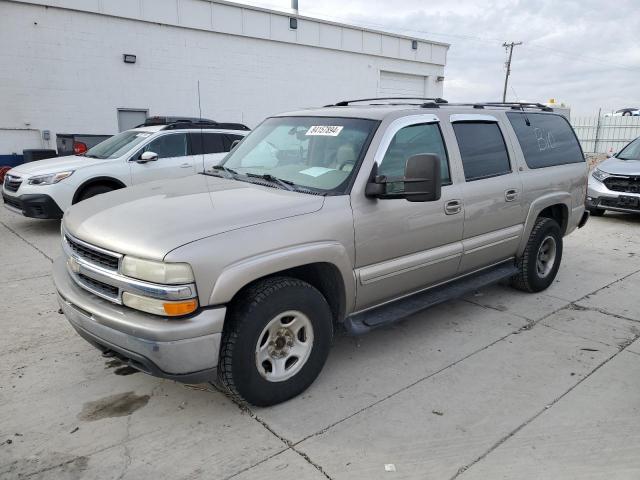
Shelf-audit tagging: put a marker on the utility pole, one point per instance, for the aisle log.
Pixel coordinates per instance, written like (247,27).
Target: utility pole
(508,46)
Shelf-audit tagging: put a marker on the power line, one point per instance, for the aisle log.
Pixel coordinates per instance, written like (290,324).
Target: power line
(509,47)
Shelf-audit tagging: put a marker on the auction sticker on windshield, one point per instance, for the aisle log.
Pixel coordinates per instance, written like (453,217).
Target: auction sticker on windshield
(325,130)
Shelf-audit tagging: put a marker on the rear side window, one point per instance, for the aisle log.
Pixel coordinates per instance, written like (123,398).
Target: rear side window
(484,153)
(207,143)
(548,140)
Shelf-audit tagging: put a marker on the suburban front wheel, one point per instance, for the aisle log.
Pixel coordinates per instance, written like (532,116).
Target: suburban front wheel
(538,265)
(276,340)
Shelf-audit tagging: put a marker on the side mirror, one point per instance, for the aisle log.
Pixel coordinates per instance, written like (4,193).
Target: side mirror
(148,157)
(422,182)
(234,144)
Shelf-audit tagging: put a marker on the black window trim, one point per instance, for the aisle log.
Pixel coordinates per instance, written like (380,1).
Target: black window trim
(504,142)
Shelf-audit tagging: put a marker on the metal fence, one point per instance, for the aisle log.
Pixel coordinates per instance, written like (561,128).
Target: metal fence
(605,134)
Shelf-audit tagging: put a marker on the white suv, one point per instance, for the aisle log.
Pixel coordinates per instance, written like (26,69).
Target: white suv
(159,149)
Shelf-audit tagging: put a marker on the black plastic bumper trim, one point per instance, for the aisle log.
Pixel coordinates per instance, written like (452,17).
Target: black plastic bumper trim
(34,205)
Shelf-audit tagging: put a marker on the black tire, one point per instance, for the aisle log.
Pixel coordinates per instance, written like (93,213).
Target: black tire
(529,278)
(93,190)
(256,307)
(596,212)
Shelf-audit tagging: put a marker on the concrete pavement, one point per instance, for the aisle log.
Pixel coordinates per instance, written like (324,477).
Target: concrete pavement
(500,384)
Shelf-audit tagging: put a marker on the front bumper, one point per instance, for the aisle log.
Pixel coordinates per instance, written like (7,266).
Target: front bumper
(184,349)
(33,205)
(600,197)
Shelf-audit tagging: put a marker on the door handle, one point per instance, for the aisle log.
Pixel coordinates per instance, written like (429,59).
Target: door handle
(511,195)
(186,165)
(452,207)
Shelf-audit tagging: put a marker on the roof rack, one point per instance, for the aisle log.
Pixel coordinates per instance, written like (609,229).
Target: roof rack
(512,105)
(177,123)
(425,102)
(205,125)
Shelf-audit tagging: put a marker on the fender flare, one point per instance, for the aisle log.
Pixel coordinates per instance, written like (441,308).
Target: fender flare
(91,180)
(537,206)
(237,275)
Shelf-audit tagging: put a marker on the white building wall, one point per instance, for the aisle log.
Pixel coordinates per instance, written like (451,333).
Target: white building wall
(63,69)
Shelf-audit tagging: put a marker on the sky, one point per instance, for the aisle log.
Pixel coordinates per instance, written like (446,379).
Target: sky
(584,53)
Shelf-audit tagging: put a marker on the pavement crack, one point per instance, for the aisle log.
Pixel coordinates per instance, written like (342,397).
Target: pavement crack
(245,408)
(575,306)
(513,432)
(26,241)
(127,452)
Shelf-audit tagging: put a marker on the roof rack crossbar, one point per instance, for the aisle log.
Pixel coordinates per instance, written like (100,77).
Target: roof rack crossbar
(345,103)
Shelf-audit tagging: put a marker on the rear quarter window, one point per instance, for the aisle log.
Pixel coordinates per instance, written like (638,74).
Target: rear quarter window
(547,140)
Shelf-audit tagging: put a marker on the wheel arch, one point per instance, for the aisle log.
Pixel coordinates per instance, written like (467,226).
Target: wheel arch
(102,180)
(556,206)
(326,266)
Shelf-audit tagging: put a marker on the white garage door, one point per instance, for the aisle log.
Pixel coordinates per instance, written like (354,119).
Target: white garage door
(394,84)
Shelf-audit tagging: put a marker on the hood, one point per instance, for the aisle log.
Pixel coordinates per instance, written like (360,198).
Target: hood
(620,167)
(54,165)
(152,219)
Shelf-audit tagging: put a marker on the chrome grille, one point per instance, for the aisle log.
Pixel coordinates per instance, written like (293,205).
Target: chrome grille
(93,255)
(100,287)
(12,183)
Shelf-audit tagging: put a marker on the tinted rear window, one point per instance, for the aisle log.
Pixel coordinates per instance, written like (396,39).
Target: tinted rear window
(548,140)
(207,143)
(482,148)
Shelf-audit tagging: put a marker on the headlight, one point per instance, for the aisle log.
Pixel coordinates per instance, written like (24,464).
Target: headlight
(157,272)
(49,179)
(600,175)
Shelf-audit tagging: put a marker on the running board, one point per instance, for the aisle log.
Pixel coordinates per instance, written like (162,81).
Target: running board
(389,313)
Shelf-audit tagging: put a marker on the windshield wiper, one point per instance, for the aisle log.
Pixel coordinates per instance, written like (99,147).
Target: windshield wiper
(286,184)
(224,169)
(90,156)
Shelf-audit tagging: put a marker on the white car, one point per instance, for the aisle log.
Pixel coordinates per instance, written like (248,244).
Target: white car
(171,149)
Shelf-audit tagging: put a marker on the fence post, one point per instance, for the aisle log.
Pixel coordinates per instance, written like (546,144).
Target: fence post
(595,142)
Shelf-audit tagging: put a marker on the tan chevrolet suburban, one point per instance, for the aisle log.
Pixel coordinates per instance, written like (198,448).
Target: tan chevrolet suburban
(348,217)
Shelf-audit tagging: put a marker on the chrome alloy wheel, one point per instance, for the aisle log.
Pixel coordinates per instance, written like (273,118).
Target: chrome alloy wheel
(284,346)
(546,257)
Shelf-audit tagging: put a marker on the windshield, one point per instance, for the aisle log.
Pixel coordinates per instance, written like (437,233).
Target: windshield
(313,152)
(631,151)
(118,145)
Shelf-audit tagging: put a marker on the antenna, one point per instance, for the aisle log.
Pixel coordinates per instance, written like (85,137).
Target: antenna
(199,104)
(201,133)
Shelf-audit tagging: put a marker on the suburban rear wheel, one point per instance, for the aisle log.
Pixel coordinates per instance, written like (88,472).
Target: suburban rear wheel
(94,190)
(596,212)
(538,265)
(276,341)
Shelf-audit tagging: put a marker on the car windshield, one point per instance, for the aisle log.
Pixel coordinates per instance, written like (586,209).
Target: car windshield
(631,151)
(117,145)
(318,153)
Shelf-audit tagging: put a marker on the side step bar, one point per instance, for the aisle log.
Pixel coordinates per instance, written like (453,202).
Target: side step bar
(389,313)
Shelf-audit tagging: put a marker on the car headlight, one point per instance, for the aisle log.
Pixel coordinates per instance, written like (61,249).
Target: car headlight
(157,272)
(600,175)
(49,179)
